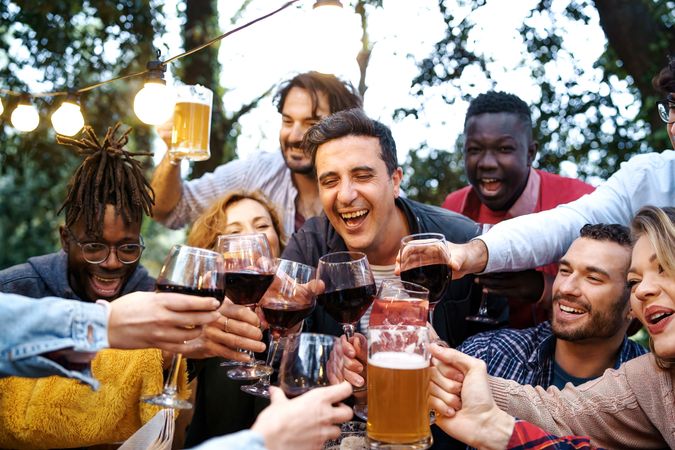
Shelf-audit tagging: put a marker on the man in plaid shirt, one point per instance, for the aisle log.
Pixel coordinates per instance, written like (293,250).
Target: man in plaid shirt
(587,332)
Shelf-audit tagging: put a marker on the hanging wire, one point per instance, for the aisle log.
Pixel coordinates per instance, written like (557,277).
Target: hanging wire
(164,63)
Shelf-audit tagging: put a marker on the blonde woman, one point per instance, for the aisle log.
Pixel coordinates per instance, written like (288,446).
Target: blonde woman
(631,407)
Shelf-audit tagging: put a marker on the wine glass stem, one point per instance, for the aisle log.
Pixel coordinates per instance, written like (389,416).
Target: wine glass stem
(482,309)
(348,329)
(271,353)
(171,385)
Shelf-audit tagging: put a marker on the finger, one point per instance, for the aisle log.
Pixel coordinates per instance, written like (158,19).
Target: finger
(352,365)
(353,378)
(451,400)
(187,318)
(182,302)
(341,413)
(240,313)
(277,395)
(346,347)
(447,384)
(335,393)
(239,328)
(329,432)
(440,407)
(454,358)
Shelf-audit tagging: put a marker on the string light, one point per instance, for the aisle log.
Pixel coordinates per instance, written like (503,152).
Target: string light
(68,119)
(25,116)
(154,103)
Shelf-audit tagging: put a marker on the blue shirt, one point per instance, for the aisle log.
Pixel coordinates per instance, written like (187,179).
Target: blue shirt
(526,356)
(30,328)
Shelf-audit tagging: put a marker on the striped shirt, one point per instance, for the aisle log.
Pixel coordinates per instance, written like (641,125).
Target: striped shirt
(266,172)
(526,356)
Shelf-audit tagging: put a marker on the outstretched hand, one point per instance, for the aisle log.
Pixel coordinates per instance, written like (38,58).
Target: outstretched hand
(461,397)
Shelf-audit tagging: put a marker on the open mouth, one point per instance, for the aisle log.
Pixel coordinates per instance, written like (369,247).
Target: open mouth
(655,318)
(354,218)
(490,186)
(570,310)
(105,287)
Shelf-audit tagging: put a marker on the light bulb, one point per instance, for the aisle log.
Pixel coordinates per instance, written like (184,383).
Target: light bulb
(154,103)
(25,116)
(2,108)
(68,120)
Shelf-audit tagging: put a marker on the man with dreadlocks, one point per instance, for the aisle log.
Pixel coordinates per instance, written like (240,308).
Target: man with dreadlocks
(102,245)
(101,238)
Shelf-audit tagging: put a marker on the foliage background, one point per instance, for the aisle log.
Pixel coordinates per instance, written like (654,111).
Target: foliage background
(70,43)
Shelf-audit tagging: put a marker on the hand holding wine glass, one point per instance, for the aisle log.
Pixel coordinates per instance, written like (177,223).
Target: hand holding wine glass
(249,271)
(287,302)
(483,316)
(349,287)
(425,260)
(194,271)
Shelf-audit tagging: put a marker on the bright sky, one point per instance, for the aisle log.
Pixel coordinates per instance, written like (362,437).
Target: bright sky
(403,33)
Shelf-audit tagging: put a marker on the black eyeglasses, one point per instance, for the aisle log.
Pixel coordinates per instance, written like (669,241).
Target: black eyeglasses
(97,252)
(667,110)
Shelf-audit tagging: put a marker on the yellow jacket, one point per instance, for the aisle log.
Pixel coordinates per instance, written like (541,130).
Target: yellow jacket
(57,412)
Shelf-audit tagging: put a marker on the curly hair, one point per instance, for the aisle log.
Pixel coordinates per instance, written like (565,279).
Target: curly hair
(499,102)
(664,81)
(206,229)
(603,232)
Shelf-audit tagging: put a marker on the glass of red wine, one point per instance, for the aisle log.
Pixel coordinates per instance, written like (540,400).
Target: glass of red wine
(483,316)
(288,301)
(304,364)
(249,271)
(193,271)
(349,287)
(424,260)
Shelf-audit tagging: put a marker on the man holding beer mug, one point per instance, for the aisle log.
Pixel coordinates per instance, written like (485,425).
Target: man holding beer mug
(287,178)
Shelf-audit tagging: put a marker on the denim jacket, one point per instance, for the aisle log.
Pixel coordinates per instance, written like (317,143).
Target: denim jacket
(32,328)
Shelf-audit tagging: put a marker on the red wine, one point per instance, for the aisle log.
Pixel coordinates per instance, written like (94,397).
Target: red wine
(246,287)
(434,277)
(348,305)
(218,294)
(282,316)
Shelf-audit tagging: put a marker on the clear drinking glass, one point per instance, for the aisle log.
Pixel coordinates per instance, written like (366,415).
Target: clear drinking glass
(191,128)
(304,364)
(398,387)
(424,260)
(483,316)
(397,303)
(288,301)
(349,287)
(249,271)
(194,271)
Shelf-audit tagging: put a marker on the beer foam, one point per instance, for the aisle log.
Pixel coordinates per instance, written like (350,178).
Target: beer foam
(398,360)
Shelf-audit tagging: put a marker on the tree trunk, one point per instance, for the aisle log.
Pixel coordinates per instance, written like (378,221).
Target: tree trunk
(201,25)
(639,39)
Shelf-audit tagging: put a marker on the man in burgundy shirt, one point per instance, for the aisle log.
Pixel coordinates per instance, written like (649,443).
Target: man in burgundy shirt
(498,153)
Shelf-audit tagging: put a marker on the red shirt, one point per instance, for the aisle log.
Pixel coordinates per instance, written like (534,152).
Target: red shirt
(553,190)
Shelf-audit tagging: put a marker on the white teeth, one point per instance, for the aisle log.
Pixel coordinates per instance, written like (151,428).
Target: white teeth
(658,316)
(567,309)
(355,214)
(488,180)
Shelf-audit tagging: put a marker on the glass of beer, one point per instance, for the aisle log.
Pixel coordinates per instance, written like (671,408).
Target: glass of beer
(191,123)
(398,387)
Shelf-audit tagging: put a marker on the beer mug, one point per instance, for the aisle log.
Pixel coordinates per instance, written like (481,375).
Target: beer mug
(398,387)
(191,123)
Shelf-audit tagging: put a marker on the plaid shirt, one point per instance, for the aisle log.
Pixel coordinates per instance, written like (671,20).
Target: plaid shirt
(530,437)
(526,356)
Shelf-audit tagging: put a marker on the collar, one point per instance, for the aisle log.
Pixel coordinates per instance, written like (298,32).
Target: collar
(527,202)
